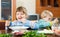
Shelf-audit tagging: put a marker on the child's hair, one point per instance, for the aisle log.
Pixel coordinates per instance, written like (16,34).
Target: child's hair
(45,13)
(23,9)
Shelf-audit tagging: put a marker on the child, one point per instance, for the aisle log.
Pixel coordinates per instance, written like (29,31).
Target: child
(21,17)
(46,20)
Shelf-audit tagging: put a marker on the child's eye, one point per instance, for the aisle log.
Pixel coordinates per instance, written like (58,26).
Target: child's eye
(17,14)
(50,18)
(22,14)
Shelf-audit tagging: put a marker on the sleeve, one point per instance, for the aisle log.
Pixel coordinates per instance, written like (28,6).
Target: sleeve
(36,26)
(43,23)
(40,24)
(51,23)
(12,23)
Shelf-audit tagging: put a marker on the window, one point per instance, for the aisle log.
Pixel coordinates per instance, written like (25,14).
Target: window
(5,10)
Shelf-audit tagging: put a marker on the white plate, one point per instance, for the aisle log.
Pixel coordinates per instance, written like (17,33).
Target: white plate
(46,31)
(18,27)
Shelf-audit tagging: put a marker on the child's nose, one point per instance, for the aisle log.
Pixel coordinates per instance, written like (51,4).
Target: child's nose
(19,15)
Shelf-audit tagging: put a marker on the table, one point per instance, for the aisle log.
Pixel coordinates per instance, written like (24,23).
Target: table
(49,33)
(9,31)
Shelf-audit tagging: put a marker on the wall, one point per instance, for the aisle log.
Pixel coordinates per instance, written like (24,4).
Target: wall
(54,10)
(0,9)
(29,4)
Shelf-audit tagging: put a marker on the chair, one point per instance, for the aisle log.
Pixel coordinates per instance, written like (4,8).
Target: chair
(2,25)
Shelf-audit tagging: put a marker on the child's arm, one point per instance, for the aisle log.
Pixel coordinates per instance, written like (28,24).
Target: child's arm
(34,25)
(39,24)
(55,20)
(13,23)
(42,23)
(7,23)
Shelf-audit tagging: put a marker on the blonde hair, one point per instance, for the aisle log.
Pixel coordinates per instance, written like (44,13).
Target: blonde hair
(45,13)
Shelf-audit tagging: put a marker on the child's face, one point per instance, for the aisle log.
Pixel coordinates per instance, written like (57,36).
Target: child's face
(48,17)
(20,15)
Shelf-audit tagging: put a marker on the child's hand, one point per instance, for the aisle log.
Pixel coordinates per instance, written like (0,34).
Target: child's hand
(7,23)
(55,20)
(32,24)
(57,31)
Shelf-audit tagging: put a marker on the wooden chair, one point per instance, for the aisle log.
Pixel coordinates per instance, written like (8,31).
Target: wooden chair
(2,25)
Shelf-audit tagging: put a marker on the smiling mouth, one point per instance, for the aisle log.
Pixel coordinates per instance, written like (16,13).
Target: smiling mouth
(20,18)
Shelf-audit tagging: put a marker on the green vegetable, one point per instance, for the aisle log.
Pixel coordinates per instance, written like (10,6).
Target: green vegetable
(5,35)
(34,34)
(48,27)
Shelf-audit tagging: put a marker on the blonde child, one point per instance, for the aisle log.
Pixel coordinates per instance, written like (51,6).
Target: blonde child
(46,20)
